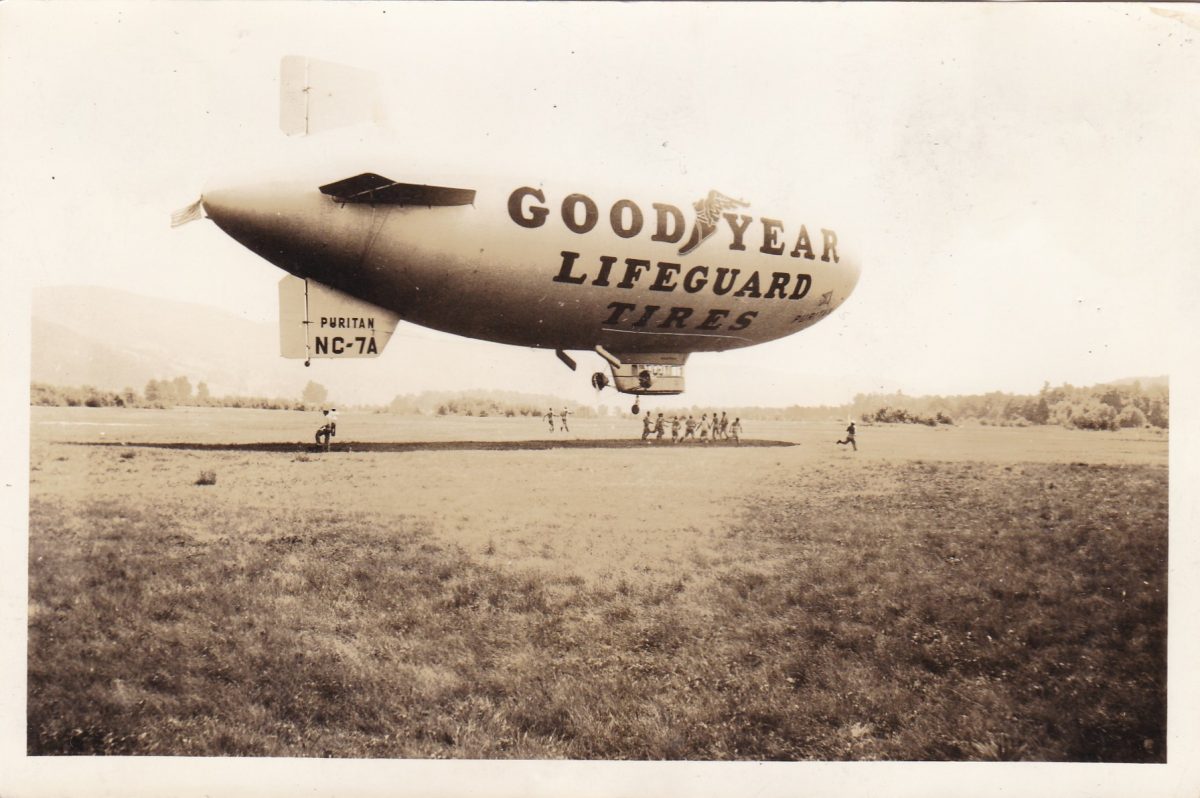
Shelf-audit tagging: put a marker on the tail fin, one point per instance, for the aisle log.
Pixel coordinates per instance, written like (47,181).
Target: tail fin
(318,321)
(321,95)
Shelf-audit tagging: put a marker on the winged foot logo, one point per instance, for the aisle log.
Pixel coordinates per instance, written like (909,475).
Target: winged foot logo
(708,213)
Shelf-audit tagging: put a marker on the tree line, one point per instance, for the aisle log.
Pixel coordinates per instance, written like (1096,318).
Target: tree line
(484,404)
(157,394)
(1108,406)
(179,392)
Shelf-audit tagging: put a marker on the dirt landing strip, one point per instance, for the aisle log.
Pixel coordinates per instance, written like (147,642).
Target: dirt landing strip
(432,446)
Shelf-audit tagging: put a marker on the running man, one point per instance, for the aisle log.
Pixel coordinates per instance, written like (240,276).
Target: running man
(849,437)
(659,427)
(703,428)
(736,431)
(647,425)
(550,418)
(674,429)
(565,411)
(689,428)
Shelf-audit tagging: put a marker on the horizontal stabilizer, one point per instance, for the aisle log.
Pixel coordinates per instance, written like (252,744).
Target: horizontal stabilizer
(377,190)
(318,321)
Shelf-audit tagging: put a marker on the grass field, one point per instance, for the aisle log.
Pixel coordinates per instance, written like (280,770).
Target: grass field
(966,593)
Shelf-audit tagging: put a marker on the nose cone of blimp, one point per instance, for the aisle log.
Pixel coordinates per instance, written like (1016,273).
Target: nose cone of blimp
(293,226)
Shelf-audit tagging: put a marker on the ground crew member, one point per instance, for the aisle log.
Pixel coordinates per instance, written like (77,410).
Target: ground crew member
(659,428)
(564,419)
(333,422)
(849,437)
(323,430)
(647,425)
(550,418)
(689,428)
(703,428)
(674,429)
(736,431)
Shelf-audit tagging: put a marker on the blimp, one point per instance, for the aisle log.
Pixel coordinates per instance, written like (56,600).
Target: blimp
(641,277)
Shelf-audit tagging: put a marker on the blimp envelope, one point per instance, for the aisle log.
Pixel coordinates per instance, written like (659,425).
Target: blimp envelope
(318,321)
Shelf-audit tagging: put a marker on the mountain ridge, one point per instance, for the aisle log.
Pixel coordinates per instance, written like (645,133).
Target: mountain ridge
(113,339)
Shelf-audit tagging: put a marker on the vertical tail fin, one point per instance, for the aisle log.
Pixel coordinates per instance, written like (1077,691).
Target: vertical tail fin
(321,95)
(318,321)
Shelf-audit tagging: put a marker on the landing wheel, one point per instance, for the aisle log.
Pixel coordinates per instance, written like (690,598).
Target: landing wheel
(636,409)
(599,380)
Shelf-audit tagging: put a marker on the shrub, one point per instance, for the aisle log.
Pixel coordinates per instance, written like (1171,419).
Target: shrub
(1131,416)
(1093,414)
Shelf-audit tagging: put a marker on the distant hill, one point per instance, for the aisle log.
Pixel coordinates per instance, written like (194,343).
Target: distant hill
(63,357)
(1147,383)
(113,339)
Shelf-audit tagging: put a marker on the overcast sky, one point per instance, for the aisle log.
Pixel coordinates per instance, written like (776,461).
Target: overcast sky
(1024,178)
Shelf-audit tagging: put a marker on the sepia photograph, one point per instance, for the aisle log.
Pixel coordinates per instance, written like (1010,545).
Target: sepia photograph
(600,398)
